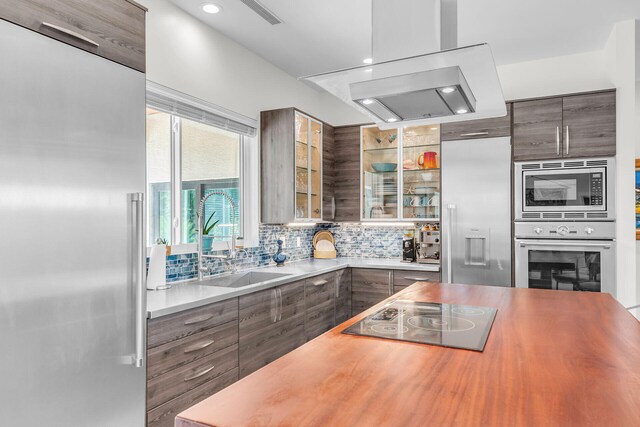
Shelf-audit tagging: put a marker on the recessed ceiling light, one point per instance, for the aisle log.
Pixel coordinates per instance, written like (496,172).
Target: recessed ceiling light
(211,8)
(367,101)
(448,89)
(462,111)
(368,60)
(392,119)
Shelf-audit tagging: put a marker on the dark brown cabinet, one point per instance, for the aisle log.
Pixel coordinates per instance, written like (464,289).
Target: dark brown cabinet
(190,356)
(347,173)
(473,129)
(404,278)
(328,173)
(113,29)
(565,127)
(271,325)
(369,286)
(320,299)
(343,295)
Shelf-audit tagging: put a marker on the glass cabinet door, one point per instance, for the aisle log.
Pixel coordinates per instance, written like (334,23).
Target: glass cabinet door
(302,166)
(308,133)
(379,173)
(421,172)
(315,160)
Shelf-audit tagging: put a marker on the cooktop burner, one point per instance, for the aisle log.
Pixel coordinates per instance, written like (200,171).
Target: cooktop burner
(449,325)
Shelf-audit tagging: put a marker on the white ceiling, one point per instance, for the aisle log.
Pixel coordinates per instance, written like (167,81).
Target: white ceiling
(324,35)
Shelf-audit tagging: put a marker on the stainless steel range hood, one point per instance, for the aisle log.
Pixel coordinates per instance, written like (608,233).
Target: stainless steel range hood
(452,84)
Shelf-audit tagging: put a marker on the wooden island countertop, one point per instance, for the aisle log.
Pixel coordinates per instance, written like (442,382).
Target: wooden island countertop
(553,358)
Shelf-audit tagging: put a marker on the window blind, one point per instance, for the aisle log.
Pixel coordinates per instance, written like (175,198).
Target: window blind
(170,101)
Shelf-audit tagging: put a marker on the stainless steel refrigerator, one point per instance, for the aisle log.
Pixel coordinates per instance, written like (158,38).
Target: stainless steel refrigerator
(72,175)
(476,211)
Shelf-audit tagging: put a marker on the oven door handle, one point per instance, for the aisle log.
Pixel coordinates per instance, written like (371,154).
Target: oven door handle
(572,244)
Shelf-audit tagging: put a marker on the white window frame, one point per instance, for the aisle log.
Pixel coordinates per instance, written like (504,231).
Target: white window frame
(249,173)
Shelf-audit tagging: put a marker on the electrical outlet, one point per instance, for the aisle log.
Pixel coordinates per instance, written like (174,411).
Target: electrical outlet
(298,243)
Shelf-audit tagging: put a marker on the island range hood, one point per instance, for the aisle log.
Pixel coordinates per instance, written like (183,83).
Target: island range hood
(449,84)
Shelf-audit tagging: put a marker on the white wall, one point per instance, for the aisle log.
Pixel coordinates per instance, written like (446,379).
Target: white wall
(187,55)
(552,76)
(620,53)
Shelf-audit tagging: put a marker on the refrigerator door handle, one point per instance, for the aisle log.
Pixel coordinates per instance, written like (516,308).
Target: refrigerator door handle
(138,276)
(450,208)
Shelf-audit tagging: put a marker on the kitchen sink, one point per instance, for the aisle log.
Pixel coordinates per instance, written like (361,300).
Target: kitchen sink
(240,280)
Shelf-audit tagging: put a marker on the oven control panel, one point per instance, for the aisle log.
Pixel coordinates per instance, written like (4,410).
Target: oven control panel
(565,230)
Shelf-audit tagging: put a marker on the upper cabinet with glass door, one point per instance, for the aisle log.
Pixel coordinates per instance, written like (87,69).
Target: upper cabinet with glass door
(291,167)
(400,173)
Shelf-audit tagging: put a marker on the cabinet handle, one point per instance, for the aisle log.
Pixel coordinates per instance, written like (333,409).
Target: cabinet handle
(418,279)
(333,208)
(390,284)
(199,346)
(200,319)
(474,134)
(567,139)
(319,282)
(274,291)
(199,374)
(70,33)
(280,295)
(138,276)
(557,140)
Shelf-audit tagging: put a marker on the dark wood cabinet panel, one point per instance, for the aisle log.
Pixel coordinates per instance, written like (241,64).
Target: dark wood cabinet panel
(320,297)
(404,278)
(328,172)
(164,415)
(171,355)
(589,125)
(179,325)
(165,387)
(369,286)
(343,295)
(537,129)
(347,173)
(473,129)
(113,29)
(269,328)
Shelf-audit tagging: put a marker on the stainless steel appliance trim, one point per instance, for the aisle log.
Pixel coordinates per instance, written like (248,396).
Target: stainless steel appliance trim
(198,346)
(199,319)
(567,139)
(70,33)
(474,134)
(586,244)
(140,287)
(450,209)
(199,374)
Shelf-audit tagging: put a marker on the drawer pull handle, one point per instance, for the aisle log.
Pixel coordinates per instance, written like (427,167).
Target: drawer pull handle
(319,282)
(70,33)
(419,279)
(199,374)
(198,346)
(474,134)
(198,319)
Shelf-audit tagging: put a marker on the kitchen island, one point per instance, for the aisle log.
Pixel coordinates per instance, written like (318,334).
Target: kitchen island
(552,358)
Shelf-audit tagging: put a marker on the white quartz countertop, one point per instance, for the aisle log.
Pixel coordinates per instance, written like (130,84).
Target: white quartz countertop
(191,294)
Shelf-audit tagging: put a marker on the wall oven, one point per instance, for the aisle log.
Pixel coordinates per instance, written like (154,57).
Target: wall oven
(572,189)
(577,256)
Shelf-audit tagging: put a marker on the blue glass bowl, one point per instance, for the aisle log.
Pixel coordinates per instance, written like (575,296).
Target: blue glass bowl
(384,167)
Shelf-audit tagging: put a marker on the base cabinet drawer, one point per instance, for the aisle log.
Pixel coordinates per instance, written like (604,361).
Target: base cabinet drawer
(174,354)
(168,386)
(404,278)
(113,29)
(165,414)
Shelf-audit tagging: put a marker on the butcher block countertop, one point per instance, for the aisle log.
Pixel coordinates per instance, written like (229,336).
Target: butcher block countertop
(553,358)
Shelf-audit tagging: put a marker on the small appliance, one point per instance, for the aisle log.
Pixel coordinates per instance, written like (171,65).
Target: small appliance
(572,189)
(408,249)
(428,244)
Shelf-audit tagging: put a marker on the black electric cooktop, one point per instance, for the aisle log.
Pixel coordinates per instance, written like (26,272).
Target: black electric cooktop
(448,325)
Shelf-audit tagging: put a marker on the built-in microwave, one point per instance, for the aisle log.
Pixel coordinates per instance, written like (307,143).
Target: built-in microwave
(572,189)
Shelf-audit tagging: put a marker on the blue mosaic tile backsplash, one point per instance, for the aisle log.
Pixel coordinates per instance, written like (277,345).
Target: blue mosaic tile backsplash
(352,240)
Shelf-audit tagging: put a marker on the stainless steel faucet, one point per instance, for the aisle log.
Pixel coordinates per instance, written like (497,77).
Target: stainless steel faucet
(232,249)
